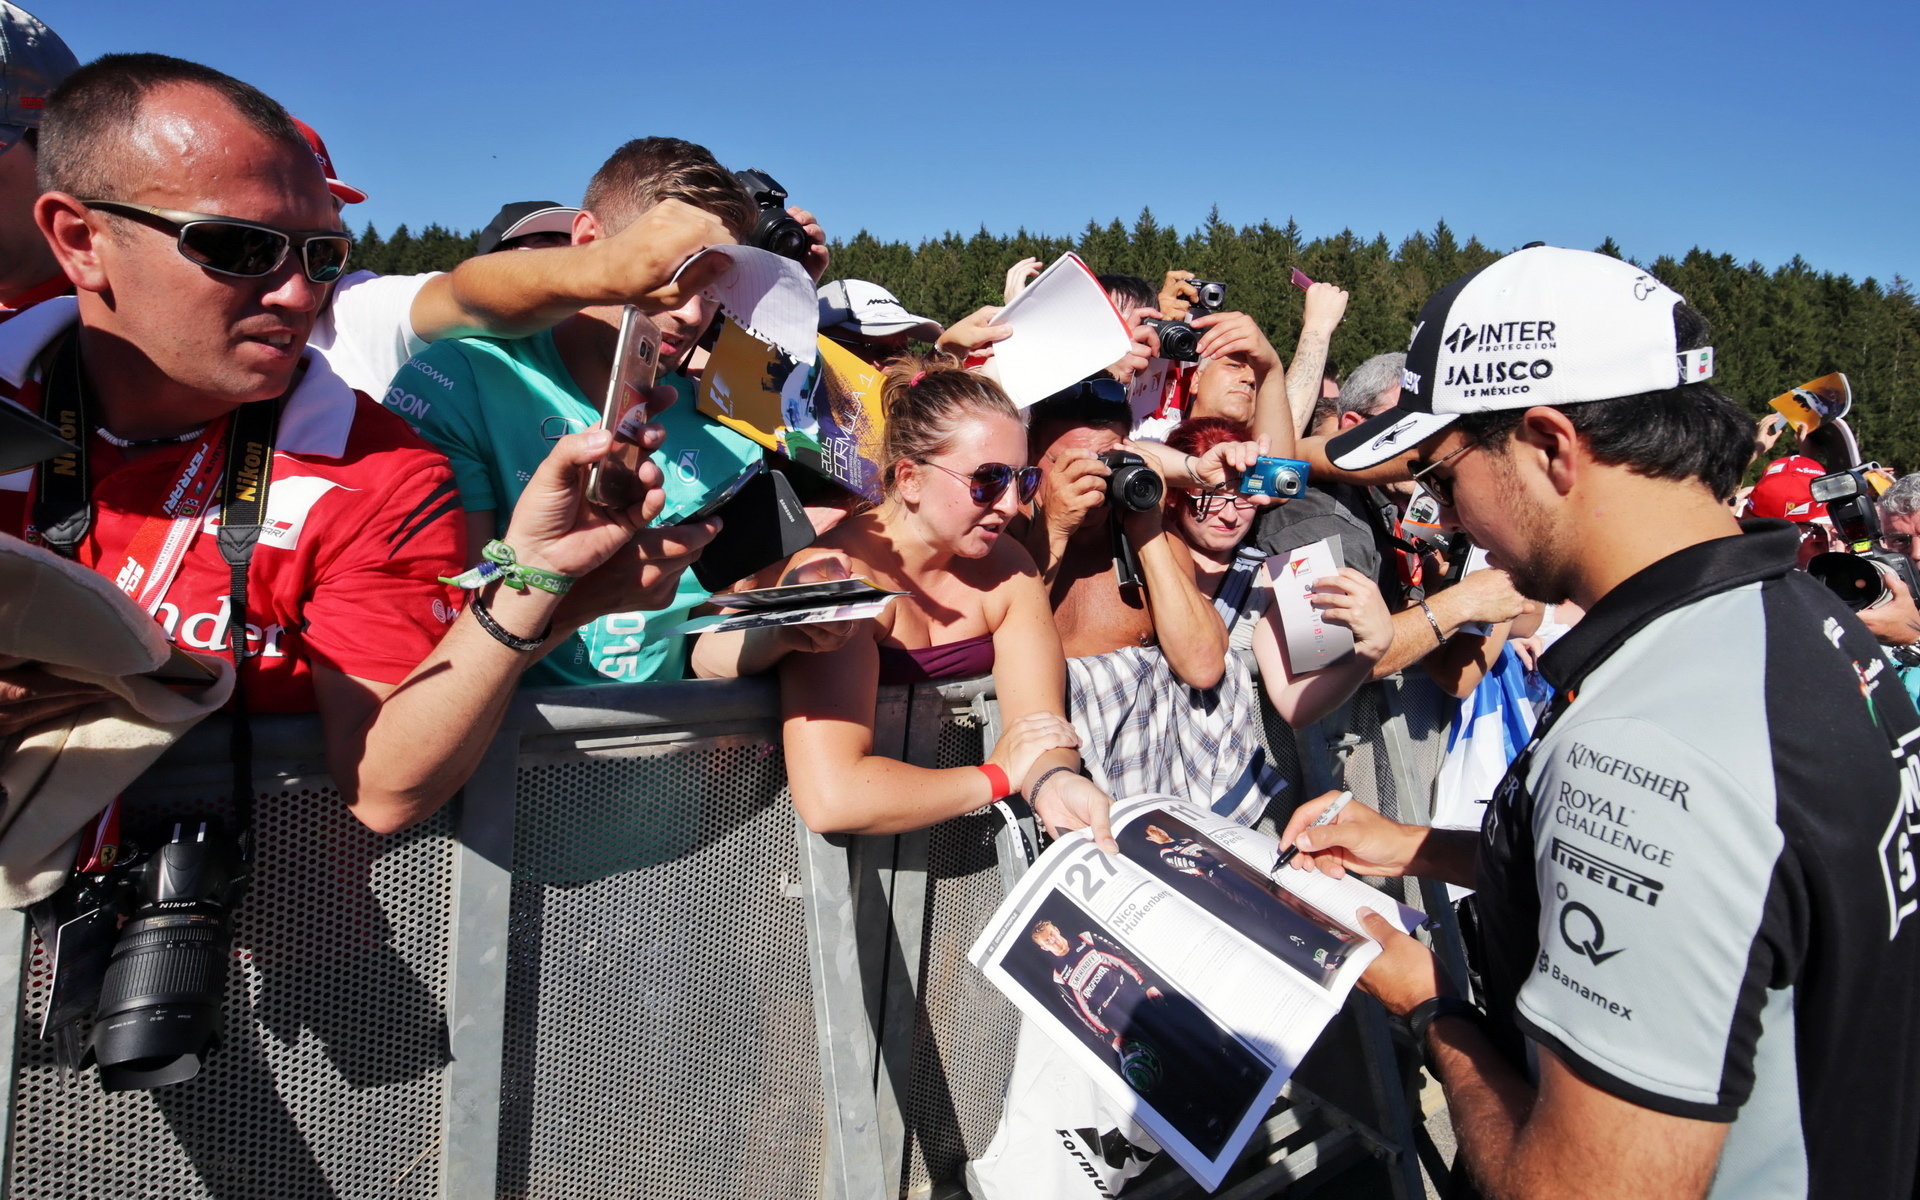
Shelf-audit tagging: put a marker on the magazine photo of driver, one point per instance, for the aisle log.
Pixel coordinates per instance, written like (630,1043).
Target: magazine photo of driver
(1196,1074)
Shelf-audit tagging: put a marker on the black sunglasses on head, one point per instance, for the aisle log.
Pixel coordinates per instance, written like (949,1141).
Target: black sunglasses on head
(245,249)
(989,481)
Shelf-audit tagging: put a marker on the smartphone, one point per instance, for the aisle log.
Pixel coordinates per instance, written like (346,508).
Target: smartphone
(762,523)
(715,502)
(1300,279)
(613,481)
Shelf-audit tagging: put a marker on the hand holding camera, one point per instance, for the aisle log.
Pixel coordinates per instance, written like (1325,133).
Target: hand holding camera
(1193,300)
(1072,491)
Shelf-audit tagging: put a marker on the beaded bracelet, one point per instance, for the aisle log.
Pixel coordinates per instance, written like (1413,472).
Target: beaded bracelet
(500,564)
(485,616)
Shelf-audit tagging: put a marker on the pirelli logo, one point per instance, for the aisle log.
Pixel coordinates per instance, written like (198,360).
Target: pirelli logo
(1615,878)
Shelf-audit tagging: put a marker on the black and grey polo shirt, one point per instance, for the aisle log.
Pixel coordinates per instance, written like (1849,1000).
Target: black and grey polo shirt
(1698,884)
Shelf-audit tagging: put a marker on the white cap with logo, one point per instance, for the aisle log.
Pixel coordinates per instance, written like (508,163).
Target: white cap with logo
(857,307)
(1544,325)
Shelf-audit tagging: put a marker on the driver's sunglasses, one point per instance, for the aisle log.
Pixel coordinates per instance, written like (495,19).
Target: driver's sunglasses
(241,248)
(989,481)
(1439,488)
(1205,504)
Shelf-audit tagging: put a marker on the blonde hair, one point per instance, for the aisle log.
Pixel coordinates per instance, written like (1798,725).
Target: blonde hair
(924,400)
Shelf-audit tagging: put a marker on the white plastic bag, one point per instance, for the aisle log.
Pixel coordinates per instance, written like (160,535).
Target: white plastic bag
(1060,1137)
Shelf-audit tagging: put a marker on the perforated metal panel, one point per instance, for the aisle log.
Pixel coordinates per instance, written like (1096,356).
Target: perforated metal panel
(660,1038)
(965,1029)
(330,1082)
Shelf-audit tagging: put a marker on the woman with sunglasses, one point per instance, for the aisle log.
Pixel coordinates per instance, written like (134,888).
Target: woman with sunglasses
(955,454)
(1213,524)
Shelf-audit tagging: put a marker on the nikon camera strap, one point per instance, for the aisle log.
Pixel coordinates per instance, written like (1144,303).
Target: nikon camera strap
(63,514)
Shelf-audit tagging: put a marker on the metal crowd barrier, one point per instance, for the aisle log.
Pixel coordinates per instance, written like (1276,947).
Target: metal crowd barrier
(617,966)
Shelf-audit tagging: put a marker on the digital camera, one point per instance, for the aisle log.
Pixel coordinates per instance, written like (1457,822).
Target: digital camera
(1212,297)
(1863,578)
(1283,478)
(159,1013)
(1134,486)
(776,230)
(1179,341)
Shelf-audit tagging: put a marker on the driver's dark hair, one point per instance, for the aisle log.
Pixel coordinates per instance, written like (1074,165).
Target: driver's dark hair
(1692,431)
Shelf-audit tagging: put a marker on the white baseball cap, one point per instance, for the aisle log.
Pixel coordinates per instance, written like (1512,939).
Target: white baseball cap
(1543,325)
(856,306)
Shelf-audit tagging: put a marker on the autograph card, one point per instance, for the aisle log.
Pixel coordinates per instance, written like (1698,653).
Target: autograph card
(1312,642)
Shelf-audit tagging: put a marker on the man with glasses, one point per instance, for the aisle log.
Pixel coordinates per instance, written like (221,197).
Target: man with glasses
(33,61)
(201,240)
(1699,949)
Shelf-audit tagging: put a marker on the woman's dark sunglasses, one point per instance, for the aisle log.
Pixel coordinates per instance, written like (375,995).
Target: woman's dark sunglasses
(243,248)
(989,481)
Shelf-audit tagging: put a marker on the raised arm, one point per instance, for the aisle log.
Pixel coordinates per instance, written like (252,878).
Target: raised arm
(523,292)
(1326,304)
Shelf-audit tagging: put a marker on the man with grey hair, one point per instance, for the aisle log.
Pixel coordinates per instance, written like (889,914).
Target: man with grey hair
(1900,516)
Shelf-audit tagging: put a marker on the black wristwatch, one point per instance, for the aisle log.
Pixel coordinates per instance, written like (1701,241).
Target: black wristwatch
(1426,1012)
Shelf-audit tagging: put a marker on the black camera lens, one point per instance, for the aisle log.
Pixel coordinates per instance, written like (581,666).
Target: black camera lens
(1133,486)
(160,1002)
(775,230)
(1859,581)
(1179,341)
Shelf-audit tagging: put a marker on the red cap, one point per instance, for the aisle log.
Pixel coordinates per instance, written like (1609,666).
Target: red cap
(346,192)
(1786,490)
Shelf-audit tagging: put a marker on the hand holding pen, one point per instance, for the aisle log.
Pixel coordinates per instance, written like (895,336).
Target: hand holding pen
(1326,817)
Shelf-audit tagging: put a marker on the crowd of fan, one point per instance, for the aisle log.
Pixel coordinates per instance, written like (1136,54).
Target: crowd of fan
(172,253)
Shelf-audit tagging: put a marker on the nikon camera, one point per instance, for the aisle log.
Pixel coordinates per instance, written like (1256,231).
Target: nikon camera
(1860,578)
(1132,487)
(776,230)
(159,1013)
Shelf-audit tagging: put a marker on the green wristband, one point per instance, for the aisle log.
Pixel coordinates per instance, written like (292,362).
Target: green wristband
(500,564)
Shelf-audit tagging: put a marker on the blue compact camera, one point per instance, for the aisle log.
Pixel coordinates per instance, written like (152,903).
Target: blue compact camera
(1282,478)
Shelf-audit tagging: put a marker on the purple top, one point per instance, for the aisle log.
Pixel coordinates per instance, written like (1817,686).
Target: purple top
(949,660)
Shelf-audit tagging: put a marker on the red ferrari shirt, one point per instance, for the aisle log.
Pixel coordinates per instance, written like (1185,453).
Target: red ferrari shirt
(362,518)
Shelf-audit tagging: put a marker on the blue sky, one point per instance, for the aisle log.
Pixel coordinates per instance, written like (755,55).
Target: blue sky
(1757,129)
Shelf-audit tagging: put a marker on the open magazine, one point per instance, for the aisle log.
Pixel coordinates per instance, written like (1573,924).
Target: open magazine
(1186,976)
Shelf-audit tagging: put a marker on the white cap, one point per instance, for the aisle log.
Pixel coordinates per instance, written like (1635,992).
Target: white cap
(856,306)
(1543,325)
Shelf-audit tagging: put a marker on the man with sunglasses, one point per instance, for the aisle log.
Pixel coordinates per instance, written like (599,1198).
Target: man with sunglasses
(1698,942)
(201,240)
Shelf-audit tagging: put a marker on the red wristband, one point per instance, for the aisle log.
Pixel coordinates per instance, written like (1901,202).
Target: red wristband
(996,779)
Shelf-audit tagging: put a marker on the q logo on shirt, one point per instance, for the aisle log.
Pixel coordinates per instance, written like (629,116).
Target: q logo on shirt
(1589,925)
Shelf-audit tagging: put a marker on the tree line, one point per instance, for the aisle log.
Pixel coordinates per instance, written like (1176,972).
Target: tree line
(1772,328)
